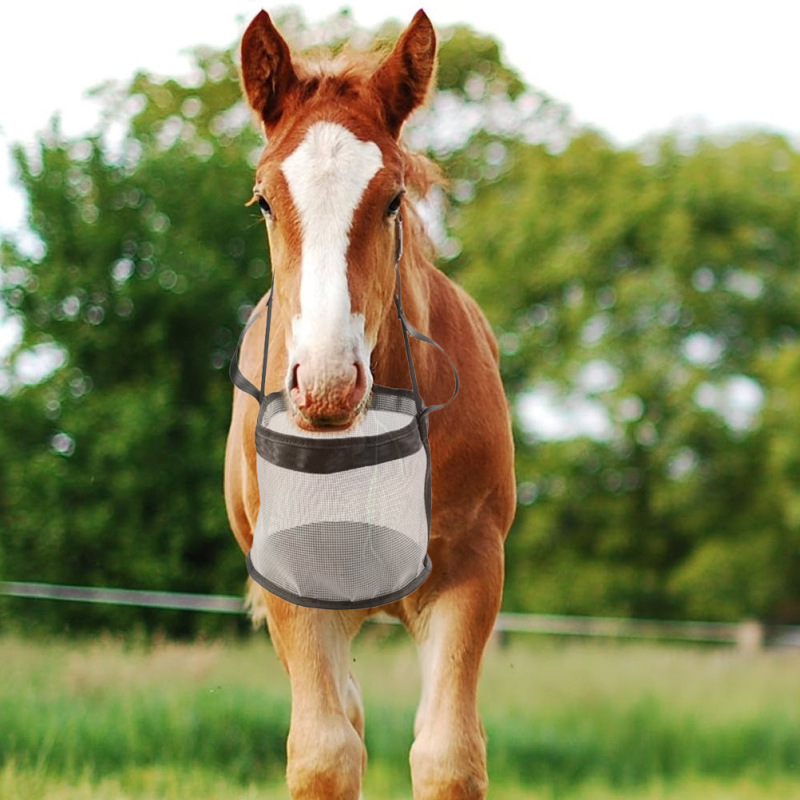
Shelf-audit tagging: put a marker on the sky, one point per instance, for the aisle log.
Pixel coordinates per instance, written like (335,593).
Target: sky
(629,68)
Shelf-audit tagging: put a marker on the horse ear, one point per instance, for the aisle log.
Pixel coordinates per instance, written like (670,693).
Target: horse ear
(267,70)
(403,79)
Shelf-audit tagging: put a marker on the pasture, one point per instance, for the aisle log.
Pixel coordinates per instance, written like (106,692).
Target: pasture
(115,718)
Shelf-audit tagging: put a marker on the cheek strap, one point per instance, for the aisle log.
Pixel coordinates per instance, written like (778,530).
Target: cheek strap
(409,329)
(236,374)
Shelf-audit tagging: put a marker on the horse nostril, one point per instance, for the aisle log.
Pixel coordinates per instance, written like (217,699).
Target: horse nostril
(360,387)
(295,382)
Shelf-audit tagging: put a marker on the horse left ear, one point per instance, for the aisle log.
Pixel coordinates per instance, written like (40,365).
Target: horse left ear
(404,78)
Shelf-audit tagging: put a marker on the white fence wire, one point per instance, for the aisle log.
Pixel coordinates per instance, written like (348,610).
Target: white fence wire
(748,635)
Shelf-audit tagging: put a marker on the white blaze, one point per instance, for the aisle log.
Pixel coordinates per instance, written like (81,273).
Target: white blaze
(327,176)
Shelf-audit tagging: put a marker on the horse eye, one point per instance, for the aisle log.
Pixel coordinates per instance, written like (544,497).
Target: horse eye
(264,206)
(394,206)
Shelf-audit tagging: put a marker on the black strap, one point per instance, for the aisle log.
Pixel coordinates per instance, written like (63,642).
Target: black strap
(398,254)
(266,340)
(236,374)
(408,328)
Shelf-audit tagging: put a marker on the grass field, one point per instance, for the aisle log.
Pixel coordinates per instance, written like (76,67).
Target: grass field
(114,720)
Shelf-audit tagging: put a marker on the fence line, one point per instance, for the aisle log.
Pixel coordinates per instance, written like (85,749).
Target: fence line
(747,635)
(178,601)
(618,627)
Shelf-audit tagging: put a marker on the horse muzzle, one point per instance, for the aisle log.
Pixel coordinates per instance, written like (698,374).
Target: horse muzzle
(324,398)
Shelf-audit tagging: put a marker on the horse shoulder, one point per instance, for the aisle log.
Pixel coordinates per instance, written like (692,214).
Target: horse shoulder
(240,481)
(476,428)
(463,330)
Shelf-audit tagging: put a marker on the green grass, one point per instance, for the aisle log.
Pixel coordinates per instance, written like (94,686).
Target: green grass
(113,720)
(165,783)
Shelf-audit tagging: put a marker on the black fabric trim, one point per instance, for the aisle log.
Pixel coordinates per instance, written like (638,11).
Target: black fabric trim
(388,391)
(423,432)
(409,328)
(340,605)
(323,456)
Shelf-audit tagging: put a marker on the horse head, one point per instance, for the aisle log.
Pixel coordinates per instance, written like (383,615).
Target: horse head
(330,183)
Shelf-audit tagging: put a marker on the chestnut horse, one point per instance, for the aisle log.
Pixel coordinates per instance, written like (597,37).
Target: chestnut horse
(331,182)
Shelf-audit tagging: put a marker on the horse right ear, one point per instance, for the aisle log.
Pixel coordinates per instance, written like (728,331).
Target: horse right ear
(405,77)
(267,70)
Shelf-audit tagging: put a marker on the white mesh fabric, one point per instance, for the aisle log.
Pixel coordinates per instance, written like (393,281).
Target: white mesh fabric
(373,424)
(348,535)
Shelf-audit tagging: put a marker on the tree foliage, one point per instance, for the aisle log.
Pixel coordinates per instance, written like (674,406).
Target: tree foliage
(652,294)
(150,263)
(645,302)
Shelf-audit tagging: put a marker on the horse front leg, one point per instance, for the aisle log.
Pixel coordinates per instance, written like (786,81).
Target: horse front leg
(326,756)
(448,757)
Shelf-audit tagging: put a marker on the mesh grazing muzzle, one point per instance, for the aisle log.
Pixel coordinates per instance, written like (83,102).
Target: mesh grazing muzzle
(345,516)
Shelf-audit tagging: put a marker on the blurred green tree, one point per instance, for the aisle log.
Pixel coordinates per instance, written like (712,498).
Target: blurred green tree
(646,305)
(150,263)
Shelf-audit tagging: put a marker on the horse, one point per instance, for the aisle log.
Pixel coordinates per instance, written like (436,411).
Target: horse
(333,183)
